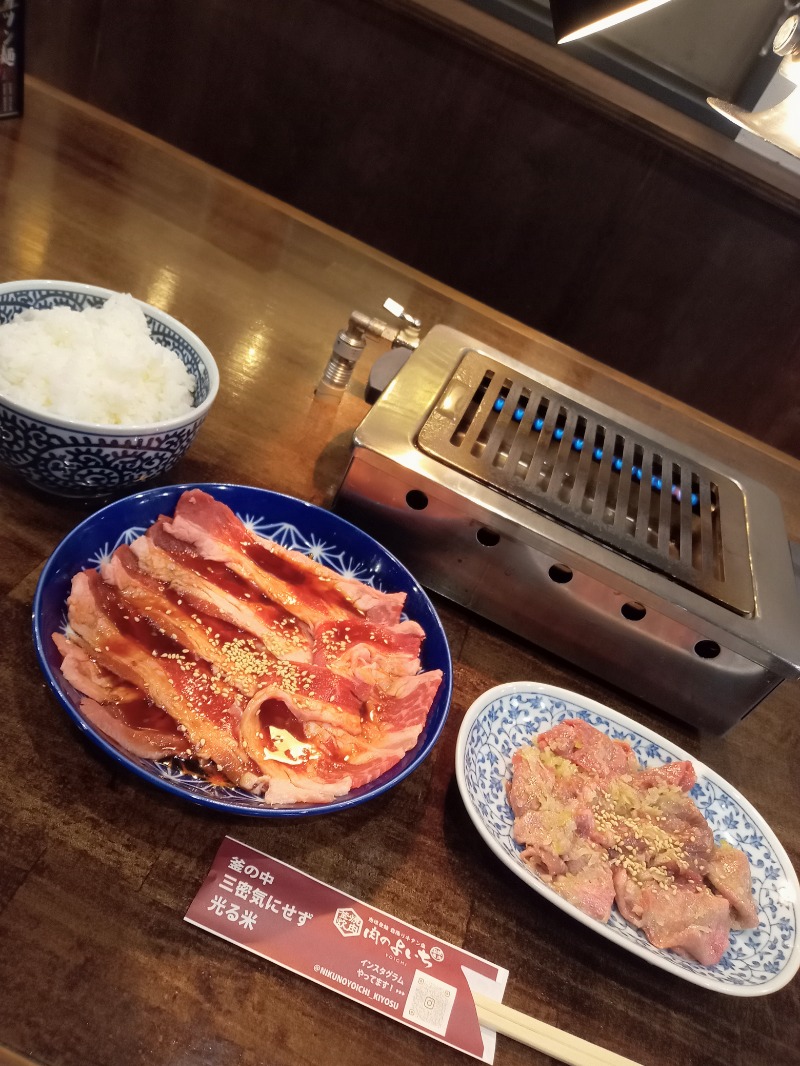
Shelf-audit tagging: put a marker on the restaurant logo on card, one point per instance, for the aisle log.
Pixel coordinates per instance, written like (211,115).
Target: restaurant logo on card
(348,922)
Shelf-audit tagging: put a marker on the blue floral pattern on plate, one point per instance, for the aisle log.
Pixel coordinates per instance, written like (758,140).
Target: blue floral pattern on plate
(294,524)
(507,718)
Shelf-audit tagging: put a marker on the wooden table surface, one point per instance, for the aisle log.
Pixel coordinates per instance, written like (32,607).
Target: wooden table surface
(97,868)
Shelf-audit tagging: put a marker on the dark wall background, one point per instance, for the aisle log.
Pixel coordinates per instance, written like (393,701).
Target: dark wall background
(471,169)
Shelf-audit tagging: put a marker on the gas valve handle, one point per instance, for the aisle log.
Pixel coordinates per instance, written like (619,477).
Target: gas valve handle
(350,343)
(399,312)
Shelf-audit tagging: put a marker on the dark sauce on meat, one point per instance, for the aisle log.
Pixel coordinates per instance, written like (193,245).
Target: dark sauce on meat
(275,715)
(226,580)
(309,585)
(282,736)
(189,675)
(130,622)
(144,714)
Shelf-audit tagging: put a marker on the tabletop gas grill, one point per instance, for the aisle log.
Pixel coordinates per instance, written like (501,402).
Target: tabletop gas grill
(579,529)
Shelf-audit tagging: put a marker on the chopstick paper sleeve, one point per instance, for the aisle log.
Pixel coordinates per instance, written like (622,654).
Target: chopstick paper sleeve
(292,919)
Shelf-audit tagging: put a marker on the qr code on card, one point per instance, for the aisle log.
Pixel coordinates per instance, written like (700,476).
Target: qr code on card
(429,1003)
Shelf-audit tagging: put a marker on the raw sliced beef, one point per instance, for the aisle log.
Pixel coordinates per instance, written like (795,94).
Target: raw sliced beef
(119,709)
(392,723)
(183,686)
(311,592)
(212,589)
(729,872)
(370,655)
(692,922)
(588,748)
(591,889)
(203,641)
(598,828)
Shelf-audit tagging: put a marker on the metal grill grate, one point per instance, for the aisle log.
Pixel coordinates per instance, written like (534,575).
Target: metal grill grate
(667,512)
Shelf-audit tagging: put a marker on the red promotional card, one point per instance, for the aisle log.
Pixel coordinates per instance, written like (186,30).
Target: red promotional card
(304,925)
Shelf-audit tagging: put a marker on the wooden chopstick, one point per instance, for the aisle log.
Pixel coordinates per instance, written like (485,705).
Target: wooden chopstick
(543,1037)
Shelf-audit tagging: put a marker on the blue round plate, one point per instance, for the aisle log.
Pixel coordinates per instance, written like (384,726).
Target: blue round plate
(294,524)
(507,718)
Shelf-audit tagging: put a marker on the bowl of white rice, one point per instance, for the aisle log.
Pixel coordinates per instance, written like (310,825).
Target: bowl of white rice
(98,391)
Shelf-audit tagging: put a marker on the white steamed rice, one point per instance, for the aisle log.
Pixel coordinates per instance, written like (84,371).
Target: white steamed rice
(98,366)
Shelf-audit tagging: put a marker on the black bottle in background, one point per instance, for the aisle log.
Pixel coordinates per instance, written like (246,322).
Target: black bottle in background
(11,57)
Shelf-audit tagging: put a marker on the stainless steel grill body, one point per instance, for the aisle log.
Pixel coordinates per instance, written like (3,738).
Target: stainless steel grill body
(579,529)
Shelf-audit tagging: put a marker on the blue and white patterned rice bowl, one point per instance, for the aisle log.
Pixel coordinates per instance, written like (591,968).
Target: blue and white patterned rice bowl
(507,718)
(83,460)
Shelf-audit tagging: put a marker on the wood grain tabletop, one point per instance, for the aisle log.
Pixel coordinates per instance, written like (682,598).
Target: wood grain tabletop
(97,868)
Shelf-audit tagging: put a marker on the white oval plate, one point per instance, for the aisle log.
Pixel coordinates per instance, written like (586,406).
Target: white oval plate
(507,717)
